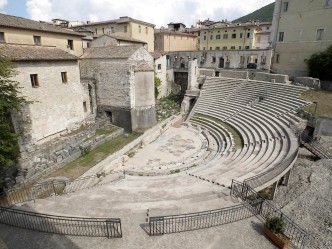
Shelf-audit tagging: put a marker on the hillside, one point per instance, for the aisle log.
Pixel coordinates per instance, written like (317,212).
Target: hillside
(263,14)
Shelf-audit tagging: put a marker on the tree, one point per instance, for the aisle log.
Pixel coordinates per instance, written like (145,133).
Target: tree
(10,100)
(320,64)
(157,83)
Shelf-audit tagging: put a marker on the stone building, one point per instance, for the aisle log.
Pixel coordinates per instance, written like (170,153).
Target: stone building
(174,38)
(125,27)
(50,78)
(124,81)
(19,30)
(300,29)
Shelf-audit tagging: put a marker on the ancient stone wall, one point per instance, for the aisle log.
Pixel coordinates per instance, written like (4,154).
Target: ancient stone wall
(323,127)
(307,81)
(233,74)
(278,78)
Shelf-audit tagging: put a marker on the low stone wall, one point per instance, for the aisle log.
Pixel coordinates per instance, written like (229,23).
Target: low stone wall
(308,82)
(323,127)
(56,153)
(233,74)
(278,78)
(206,72)
(115,160)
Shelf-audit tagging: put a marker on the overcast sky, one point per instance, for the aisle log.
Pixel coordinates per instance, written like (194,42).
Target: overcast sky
(158,12)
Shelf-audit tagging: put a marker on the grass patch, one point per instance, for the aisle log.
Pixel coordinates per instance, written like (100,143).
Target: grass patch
(106,130)
(237,138)
(323,99)
(82,164)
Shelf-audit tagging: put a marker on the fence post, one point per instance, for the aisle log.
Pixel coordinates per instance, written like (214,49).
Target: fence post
(232,186)
(53,188)
(261,206)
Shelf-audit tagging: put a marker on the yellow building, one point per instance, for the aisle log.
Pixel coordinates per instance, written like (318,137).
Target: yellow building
(125,27)
(174,41)
(18,30)
(300,29)
(226,36)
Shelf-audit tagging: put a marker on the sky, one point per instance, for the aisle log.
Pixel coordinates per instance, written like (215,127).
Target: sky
(158,12)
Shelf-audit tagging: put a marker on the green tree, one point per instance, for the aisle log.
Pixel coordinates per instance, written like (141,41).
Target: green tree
(157,83)
(10,100)
(320,64)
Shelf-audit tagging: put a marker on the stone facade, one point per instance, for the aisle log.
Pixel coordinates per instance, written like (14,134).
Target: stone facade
(124,85)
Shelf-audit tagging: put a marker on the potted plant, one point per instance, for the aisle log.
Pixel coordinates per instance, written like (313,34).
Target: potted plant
(274,229)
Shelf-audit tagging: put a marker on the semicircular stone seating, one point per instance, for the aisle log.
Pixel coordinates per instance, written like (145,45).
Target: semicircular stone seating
(259,112)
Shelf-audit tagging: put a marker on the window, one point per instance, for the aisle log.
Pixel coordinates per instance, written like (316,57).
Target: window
(217,48)
(37,40)
(34,80)
(326,3)
(246,47)
(213,59)
(248,35)
(146,30)
(112,29)
(2,37)
(267,28)
(125,29)
(159,66)
(70,44)
(217,37)
(319,35)
(139,29)
(225,47)
(232,47)
(84,107)
(211,37)
(203,48)
(204,37)
(277,58)
(241,35)
(103,30)
(242,59)
(281,36)
(210,48)
(233,36)
(64,77)
(240,47)
(285,6)
(225,36)
(96,31)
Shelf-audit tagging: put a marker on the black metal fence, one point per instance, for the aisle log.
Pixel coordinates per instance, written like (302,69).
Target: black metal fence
(160,225)
(78,226)
(298,237)
(56,187)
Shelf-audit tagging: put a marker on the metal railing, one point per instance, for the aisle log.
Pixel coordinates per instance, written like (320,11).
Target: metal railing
(298,237)
(271,173)
(77,226)
(56,187)
(160,225)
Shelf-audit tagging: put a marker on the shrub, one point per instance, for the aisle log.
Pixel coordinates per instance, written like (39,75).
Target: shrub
(275,225)
(320,64)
